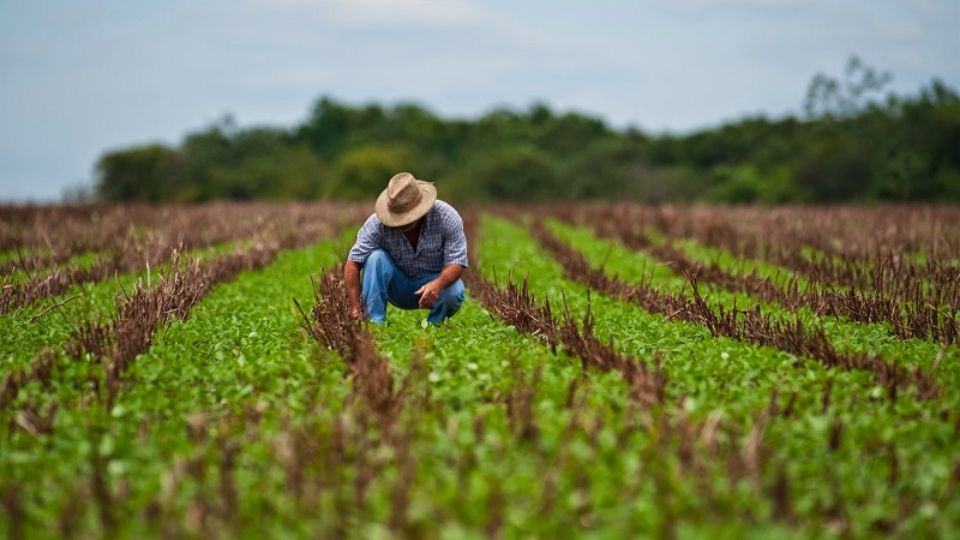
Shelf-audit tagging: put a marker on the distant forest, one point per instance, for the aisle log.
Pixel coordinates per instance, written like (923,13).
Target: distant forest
(854,141)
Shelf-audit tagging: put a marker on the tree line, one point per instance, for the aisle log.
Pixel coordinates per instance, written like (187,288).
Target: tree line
(854,141)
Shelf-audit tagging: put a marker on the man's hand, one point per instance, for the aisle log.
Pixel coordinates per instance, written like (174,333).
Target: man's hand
(356,312)
(431,290)
(429,293)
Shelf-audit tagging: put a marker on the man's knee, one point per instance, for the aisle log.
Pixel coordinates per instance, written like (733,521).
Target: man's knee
(379,264)
(454,294)
(377,258)
(377,275)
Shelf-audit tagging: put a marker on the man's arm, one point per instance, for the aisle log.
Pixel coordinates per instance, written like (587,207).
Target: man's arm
(454,257)
(351,281)
(368,239)
(431,290)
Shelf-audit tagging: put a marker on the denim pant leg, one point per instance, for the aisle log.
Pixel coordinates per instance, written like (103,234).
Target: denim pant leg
(448,303)
(383,282)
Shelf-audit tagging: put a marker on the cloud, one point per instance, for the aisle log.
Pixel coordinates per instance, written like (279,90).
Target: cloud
(698,9)
(898,29)
(738,4)
(386,13)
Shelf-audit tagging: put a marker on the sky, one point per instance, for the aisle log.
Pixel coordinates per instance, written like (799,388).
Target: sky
(80,78)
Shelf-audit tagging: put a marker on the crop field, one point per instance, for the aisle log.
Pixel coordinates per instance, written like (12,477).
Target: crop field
(617,371)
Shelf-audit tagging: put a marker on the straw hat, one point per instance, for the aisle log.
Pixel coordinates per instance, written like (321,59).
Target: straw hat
(405,200)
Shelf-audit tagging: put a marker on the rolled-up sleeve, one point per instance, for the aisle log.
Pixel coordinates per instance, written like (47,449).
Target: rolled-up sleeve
(454,239)
(368,240)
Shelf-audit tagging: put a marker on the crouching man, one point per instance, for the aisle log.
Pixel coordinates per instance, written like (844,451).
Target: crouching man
(412,251)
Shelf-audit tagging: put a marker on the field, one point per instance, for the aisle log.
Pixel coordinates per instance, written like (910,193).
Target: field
(617,371)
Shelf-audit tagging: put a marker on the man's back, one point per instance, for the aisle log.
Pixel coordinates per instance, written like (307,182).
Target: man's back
(442,242)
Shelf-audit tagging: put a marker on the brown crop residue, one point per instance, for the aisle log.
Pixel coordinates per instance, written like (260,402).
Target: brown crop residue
(515,305)
(332,326)
(917,301)
(752,326)
(130,332)
(115,343)
(136,237)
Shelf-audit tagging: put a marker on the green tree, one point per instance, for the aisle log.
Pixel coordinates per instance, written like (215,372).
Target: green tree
(521,173)
(143,173)
(283,172)
(852,144)
(830,97)
(363,172)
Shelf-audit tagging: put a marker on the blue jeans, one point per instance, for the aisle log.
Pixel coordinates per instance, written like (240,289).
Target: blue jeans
(383,282)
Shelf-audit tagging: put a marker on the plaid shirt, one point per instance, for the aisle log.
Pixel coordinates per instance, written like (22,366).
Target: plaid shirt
(442,242)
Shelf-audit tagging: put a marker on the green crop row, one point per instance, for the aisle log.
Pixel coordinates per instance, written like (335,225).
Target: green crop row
(241,345)
(235,423)
(717,374)
(875,339)
(49,321)
(602,485)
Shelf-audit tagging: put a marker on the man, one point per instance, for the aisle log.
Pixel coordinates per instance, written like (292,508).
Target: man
(412,251)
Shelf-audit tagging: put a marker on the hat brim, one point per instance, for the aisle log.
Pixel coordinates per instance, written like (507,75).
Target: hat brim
(428,196)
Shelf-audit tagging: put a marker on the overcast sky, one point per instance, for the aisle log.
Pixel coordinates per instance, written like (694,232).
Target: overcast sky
(77,78)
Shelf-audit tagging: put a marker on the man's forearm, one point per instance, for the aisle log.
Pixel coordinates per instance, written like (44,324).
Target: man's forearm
(351,281)
(449,275)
